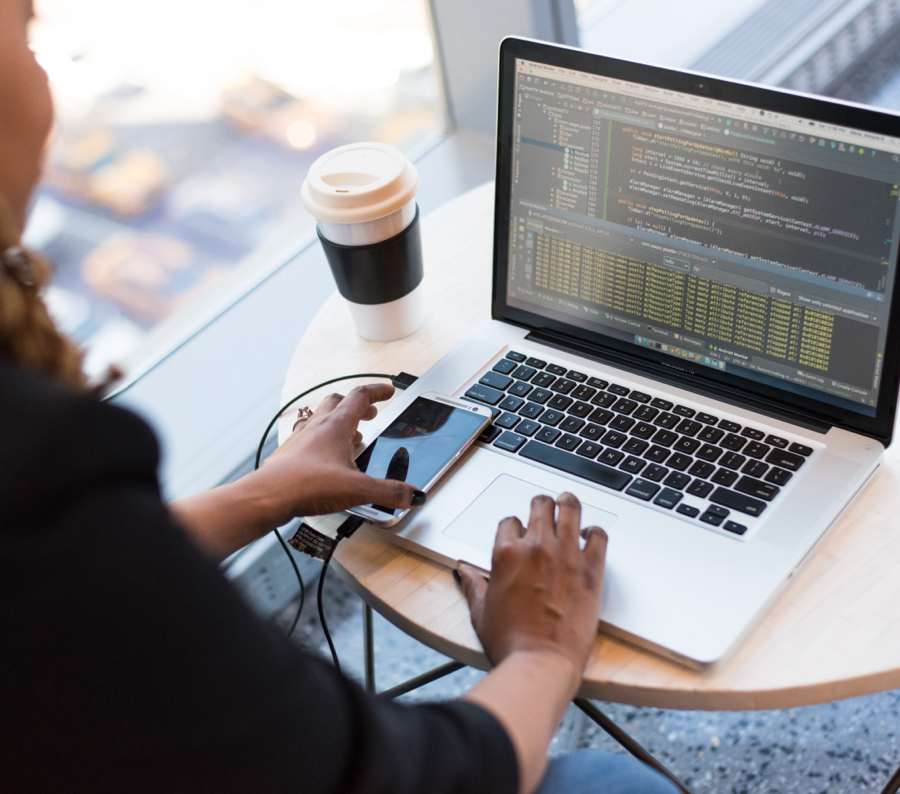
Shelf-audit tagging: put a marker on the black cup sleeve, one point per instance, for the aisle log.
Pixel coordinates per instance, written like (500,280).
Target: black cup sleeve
(380,272)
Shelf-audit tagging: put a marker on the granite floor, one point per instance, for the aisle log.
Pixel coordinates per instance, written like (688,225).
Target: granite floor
(835,748)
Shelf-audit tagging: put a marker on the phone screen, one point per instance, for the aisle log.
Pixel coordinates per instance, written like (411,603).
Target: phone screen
(419,443)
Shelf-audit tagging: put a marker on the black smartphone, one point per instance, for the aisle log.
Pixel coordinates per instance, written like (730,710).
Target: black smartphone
(419,446)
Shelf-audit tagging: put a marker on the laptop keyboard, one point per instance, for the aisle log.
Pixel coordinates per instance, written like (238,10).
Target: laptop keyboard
(635,442)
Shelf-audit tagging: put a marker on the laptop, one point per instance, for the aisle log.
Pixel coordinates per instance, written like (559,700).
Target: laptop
(694,331)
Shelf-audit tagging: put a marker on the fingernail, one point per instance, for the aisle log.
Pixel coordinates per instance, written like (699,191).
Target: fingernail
(457,576)
(418,498)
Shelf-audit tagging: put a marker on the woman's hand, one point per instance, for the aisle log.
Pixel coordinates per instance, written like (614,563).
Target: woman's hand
(312,473)
(544,594)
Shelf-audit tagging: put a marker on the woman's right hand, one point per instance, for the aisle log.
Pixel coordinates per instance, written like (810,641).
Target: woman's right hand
(544,593)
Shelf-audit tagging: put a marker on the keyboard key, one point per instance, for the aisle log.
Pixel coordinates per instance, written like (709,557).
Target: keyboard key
(560,402)
(611,456)
(645,413)
(484,394)
(519,388)
(548,434)
(755,468)
(623,423)
(665,438)
(778,476)
(568,442)
(563,386)
(643,430)
(683,410)
(643,489)
(524,373)
(700,488)
(613,438)
(756,435)
(624,406)
(555,369)
(531,410)
(512,404)
(777,441)
(800,449)
(578,377)
(588,449)
(571,424)
(528,428)
(597,383)
(580,410)
(495,380)
(635,446)
(738,501)
(537,363)
(707,419)
(677,479)
(755,449)
(604,399)
(757,488)
(504,366)
(667,421)
(601,416)
(512,355)
(732,460)
(615,388)
(667,498)
(709,452)
(592,432)
(510,441)
(583,392)
(687,427)
(712,518)
(710,434)
(698,468)
(724,477)
(786,460)
(540,396)
(507,421)
(686,445)
(489,434)
(733,442)
(688,510)
(639,397)
(657,454)
(663,405)
(632,465)
(679,461)
(733,526)
(552,418)
(729,427)
(655,472)
(543,379)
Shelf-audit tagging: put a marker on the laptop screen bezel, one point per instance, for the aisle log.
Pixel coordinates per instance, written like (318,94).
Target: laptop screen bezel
(702,379)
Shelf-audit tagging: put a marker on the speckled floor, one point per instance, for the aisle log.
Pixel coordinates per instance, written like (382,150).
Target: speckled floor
(836,748)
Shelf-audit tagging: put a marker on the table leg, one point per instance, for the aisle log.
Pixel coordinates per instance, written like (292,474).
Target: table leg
(627,741)
(893,785)
(369,648)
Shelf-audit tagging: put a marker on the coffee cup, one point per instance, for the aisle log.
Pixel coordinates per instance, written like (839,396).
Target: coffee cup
(363,198)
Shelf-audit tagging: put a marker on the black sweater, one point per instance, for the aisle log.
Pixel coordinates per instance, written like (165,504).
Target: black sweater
(128,664)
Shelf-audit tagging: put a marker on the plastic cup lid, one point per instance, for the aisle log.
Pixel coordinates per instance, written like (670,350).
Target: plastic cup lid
(359,182)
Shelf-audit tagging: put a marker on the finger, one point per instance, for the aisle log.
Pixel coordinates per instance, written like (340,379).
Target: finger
(595,547)
(328,405)
(509,530)
(540,522)
(390,493)
(474,587)
(568,519)
(357,405)
(357,439)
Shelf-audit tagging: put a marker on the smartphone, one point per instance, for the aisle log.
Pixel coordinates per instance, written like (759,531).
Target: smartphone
(419,446)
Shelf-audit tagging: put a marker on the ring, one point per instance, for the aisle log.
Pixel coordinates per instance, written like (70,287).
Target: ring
(303,415)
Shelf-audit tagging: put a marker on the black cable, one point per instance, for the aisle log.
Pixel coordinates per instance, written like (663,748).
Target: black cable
(299,579)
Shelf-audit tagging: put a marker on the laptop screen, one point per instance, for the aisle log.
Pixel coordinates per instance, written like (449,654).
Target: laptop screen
(757,244)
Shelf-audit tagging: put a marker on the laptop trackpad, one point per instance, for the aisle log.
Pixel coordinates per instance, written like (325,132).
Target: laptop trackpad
(509,496)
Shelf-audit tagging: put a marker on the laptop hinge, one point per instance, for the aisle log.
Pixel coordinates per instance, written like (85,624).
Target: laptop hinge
(687,382)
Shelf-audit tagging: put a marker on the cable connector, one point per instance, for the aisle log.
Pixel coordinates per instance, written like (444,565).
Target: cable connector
(349,526)
(403,381)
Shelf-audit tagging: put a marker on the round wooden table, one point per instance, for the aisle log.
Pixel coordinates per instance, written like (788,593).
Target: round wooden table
(833,633)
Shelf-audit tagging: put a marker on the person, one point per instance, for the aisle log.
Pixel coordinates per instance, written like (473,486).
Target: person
(127,663)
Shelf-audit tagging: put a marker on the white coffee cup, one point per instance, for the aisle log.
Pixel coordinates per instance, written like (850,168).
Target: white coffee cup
(363,198)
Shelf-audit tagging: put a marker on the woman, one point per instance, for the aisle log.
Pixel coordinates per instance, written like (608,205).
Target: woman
(128,664)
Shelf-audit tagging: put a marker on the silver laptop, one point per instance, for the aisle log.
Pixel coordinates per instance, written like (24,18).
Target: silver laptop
(693,331)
